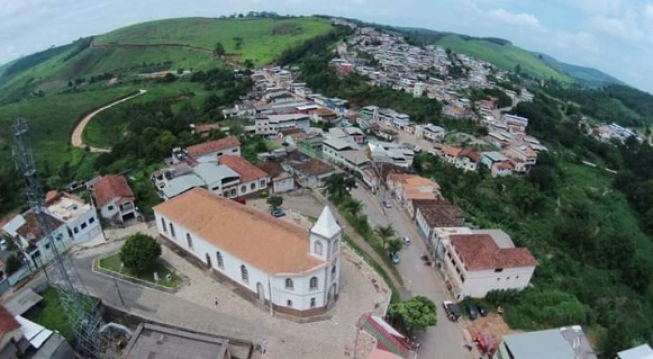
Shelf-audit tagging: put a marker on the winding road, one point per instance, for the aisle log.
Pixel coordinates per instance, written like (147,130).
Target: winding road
(76,137)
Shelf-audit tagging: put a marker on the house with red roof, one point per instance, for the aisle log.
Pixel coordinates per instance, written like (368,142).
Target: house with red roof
(12,341)
(252,178)
(113,197)
(485,260)
(212,150)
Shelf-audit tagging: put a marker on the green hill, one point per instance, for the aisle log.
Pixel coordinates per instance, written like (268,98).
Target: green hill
(503,55)
(585,75)
(162,45)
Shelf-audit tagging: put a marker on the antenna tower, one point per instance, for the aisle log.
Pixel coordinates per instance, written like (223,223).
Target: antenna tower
(83,315)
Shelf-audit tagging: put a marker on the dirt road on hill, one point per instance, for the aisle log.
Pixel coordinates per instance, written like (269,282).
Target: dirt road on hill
(76,137)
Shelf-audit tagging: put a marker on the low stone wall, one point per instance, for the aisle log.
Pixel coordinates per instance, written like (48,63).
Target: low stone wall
(120,276)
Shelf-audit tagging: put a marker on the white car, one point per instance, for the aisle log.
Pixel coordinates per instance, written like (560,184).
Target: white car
(406,241)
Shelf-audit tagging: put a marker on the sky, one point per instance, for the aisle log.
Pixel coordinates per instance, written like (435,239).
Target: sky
(614,36)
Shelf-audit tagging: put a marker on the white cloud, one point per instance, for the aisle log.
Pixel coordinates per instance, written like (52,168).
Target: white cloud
(598,7)
(625,28)
(521,19)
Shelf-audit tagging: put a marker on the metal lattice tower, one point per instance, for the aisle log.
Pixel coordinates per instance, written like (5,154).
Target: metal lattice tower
(82,313)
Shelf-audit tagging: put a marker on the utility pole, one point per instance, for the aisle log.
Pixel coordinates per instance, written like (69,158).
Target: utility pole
(122,301)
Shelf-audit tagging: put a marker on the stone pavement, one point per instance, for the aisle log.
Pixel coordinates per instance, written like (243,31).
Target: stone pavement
(193,305)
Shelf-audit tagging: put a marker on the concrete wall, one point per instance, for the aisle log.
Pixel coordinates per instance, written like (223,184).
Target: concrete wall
(213,156)
(479,283)
(89,222)
(283,185)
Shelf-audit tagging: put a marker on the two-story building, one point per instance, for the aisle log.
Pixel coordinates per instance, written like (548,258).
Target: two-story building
(113,197)
(270,125)
(430,132)
(294,271)
(468,159)
(27,234)
(407,188)
(484,261)
(80,217)
(345,153)
(280,180)
(432,214)
(251,178)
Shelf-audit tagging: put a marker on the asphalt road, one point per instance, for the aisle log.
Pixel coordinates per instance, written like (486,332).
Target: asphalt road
(446,340)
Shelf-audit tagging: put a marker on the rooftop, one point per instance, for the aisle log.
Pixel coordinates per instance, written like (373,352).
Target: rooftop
(67,207)
(312,167)
(111,187)
(481,252)
(643,351)
(154,341)
(273,169)
(22,301)
(7,322)
(247,171)
(248,233)
(561,343)
(213,146)
(30,229)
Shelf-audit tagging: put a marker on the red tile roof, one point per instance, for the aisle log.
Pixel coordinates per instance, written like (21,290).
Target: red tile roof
(110,187)
(474,156)
(273,169)
(481,252)
(247,171)
(7,322)
(313,167)
(213,146)
(31,231)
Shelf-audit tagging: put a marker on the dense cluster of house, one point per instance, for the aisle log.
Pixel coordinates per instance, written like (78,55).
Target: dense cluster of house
(613,132)
(423,72)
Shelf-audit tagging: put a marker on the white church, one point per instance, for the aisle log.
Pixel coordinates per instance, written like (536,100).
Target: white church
(294,270)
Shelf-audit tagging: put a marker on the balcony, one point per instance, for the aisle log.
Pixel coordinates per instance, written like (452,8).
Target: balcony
(127,207)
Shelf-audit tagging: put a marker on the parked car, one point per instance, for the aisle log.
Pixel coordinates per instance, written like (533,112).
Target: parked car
(277,212)
(387,204)
(395,258)
(452,310)
(472,312)
(406,241)
(481,310)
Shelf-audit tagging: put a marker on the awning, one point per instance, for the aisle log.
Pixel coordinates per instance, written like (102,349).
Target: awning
(34,333)
(388,338)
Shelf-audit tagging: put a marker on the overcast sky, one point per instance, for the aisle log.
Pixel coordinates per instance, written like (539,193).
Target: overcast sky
(615,36)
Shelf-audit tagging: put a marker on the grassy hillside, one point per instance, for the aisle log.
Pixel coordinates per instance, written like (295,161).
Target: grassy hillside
(262,39)
(585,75)
(505,56)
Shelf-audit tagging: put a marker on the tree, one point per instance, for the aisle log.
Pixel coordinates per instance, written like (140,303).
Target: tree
(275,201)
(140,252)
(385,233)
(415,314)
(338,184)
(13,264)
(353,206)
(395,245)
(219,49)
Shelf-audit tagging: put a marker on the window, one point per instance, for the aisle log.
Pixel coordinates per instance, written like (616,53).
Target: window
(289,303)
(507,278)
(220,154)
(333,272)
(47,246)
(76,230)
(517,277)
(110,208)
(243,274)
(335,247)
(318,248)
(92,220)
(243,189)
(83,225)
(234,150)
(498,270)
(252,186)
(289,284)
(313,283)
(59,237)
(172,229)
(462,278)
(218,255)
(163,225)
(189,241)
(262,183)
(313,302)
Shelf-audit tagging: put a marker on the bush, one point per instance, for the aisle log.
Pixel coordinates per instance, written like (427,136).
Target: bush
(140,252)
(13,264)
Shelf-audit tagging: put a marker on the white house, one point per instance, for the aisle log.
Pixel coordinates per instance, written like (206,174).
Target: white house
(484,261)
(560,343)
(271,125)
(280,180)
(80,217)
(212,150)
(277,262)
(252,178)
(114,198)
(430,132)
(26,232)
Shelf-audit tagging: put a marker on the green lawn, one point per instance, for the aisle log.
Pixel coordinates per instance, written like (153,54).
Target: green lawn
(52,119)
(106,128)
(50,314)
(263,39)
(503,56)
(113,263)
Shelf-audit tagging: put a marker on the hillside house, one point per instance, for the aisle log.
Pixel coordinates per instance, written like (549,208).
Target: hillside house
(468,159)
(307,171)
(345,153)
(430,132)
(484,261)
(251,179)
(432,214)
(113,197)
(212,150)
(80,217)
(559,343)
(407,188)
(295,271)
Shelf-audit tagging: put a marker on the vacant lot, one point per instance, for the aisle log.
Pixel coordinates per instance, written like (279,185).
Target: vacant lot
(261,40)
